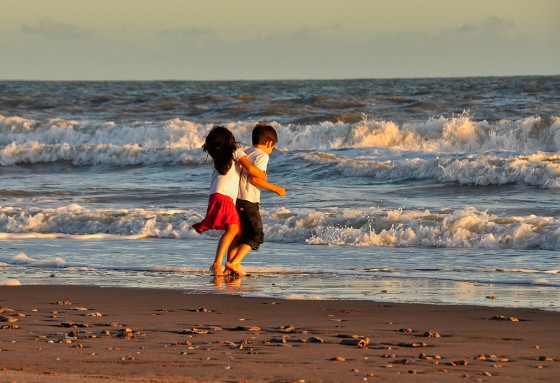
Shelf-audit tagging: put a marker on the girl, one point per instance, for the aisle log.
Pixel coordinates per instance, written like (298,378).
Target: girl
(221,213)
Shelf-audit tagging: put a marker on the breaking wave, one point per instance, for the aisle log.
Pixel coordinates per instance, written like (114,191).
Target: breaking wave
(178,141)
(540,169)
(463,228)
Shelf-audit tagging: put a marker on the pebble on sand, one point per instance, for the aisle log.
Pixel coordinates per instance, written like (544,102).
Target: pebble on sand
(491,358)
(403,361)
(432,334)
(125,333)
(462,362)
(193,331)
(545,359)
(505,318)
(357,342)
(247,328)
(74,324)
(9,327)
(286,329)
(429,357)
(414,344)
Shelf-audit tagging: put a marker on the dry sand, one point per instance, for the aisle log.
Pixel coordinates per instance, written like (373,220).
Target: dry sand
(93,334)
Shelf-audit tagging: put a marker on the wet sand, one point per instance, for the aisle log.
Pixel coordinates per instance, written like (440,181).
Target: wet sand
(93,334)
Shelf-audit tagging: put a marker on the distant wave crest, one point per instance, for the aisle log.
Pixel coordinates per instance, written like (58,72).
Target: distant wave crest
(179,141)
(459,134)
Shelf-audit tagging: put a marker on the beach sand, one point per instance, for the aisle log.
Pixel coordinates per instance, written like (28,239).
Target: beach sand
(93,334)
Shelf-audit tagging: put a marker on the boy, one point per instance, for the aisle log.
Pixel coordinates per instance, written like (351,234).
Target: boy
(248,201)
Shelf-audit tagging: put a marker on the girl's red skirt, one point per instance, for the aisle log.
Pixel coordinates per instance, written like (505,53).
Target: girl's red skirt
(221,212)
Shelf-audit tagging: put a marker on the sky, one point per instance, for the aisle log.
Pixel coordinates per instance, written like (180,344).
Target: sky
(270,39)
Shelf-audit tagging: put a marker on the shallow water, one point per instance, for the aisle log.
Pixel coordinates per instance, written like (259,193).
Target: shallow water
(294,271)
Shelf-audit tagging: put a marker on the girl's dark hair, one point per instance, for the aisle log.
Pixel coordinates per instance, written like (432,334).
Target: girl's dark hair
(220,145)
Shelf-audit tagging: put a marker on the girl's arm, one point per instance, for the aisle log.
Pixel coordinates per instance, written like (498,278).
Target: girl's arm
(252,169)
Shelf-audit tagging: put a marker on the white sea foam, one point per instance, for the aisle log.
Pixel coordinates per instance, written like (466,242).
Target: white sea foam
(21,259)
(88,142)
(465,228)
(539,169)
(74,221)
(24,259)
(301,297)
(449,135)
(455,149)
(10,282)
(179,141)
(462,228)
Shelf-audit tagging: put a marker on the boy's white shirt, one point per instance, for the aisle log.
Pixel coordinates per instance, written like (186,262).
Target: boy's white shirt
(248,191)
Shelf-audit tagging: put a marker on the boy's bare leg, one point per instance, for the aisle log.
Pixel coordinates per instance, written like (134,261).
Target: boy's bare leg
(230,256)
(235,268)
(223,245)
(232,251)
(242,251)
(234,263)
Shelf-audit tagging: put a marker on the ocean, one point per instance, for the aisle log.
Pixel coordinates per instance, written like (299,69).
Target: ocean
(438,191)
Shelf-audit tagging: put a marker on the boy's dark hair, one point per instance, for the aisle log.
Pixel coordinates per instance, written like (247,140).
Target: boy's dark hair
(220,144)
(262,133)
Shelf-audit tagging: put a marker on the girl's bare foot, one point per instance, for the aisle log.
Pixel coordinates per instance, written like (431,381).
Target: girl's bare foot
(236,268)
(216,269)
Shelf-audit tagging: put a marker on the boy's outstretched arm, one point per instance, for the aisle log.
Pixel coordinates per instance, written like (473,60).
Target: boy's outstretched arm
(252,169)
(261,183)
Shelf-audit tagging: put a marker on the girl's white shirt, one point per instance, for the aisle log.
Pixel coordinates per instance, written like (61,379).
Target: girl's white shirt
(228,184)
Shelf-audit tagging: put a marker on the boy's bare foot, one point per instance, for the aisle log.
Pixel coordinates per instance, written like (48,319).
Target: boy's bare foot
(216,269)
(236,268)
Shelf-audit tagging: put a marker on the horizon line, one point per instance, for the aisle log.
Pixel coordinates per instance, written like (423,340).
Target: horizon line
(280,79)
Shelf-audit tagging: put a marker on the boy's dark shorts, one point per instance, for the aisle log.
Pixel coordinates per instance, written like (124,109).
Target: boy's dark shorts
(251,224)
